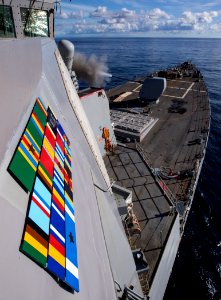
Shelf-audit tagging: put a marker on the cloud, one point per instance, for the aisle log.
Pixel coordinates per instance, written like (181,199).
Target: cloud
(216,27)
(99,12)
(103,20)
(70,15)
(199,18)
(157,13)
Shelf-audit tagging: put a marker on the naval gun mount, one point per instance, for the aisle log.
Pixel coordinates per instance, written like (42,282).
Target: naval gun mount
(130,107)
(152,89)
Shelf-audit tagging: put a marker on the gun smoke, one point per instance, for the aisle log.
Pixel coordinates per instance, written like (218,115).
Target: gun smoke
(92,70)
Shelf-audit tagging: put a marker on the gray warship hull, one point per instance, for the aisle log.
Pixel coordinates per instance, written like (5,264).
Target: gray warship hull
(84,216)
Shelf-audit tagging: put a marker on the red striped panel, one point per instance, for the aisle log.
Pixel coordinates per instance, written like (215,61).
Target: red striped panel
(47,162)
(50,136)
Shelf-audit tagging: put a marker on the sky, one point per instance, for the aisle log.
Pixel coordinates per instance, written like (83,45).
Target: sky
(139,18)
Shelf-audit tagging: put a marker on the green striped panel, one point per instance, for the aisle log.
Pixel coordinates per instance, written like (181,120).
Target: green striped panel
(20,166)
(33,253)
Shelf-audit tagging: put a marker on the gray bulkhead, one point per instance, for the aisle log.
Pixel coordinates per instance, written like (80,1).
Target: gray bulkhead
(96,106)
(29,70)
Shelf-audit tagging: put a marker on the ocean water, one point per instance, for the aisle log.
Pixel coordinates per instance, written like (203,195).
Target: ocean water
(197,270)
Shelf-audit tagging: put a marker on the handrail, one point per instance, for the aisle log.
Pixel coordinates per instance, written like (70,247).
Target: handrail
(158,179)
(131,295)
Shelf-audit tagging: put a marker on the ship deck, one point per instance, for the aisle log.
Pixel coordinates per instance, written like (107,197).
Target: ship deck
(176,143)
(153,210)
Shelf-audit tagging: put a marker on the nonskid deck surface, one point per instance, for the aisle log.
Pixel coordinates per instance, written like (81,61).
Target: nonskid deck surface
(151,208)
(178,139)
(176,143)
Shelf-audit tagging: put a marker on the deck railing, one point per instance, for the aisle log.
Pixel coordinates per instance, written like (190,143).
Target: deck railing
(164,188)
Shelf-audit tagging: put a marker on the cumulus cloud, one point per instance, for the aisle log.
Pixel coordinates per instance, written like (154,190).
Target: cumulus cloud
(199,18)
(70,15)
(99,12)
(216,27)
(103,20)
(157,13)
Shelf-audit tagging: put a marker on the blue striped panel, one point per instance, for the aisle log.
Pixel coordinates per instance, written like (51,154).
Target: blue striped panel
(58,237)
(69,204)
(35,212)
(56,268)
(38,216)
(58,177)
(42,192)
(71,277)
(59,187)
(57,219)
(72,281)
(58,190)
(60,129)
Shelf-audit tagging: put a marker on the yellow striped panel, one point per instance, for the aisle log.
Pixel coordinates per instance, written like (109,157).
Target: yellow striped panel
(49,148)
(54,253)
(34,243)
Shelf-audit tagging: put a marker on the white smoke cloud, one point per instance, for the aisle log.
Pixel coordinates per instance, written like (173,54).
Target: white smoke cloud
(92,70)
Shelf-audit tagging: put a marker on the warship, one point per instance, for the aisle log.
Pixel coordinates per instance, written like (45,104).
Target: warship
(96,185)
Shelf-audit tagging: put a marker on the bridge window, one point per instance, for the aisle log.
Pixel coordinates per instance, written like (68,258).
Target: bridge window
(35,22)
(6,22)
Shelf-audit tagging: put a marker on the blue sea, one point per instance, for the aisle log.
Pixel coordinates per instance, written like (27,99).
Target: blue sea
(197,270)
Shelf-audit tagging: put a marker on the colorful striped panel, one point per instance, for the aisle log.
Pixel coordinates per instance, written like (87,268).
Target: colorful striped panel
(35,243)
(42,164)
(72,278)
(24,163)
(40,207)
(56,253)
(46,165)
(52,121)
(36,234)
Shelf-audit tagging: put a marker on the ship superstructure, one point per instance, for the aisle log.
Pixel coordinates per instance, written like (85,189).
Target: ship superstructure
(89,209)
